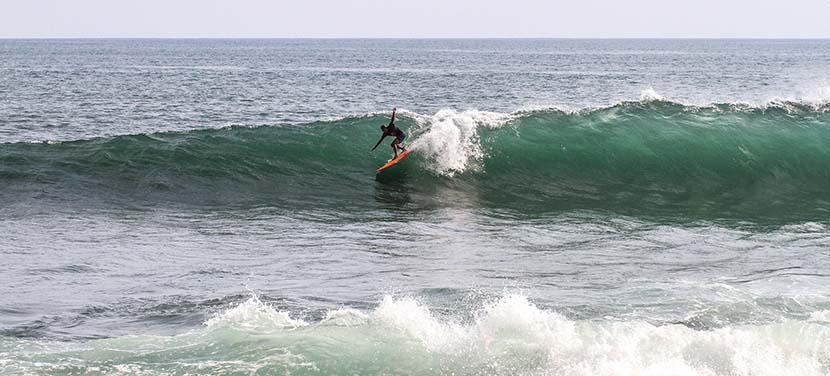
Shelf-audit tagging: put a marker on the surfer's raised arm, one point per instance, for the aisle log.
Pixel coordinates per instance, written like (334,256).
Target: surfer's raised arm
(385,129)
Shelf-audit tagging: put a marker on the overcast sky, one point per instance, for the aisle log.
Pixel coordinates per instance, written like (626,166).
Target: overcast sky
(415,18)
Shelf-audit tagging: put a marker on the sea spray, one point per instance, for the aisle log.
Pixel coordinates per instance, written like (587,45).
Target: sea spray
(449,140)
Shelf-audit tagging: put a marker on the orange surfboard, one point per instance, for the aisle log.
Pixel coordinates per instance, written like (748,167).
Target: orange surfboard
(393,161)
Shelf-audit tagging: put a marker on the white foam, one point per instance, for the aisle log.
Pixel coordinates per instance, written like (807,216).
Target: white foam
(449,139)
(649,95)
(513,334)
(415,320)
(253,313)
(822,316)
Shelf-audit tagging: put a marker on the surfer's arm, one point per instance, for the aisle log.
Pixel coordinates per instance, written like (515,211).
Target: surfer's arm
(379,141)
(393,116)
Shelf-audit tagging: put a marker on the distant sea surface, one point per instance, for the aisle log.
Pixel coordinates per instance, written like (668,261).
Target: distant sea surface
(570,207)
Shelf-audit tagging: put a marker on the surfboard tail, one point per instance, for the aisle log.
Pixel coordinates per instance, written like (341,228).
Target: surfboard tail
(396,160)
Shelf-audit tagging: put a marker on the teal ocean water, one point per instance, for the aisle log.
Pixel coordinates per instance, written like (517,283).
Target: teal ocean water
(571,207)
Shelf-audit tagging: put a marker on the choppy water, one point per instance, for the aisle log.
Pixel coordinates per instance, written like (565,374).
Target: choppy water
(571,207)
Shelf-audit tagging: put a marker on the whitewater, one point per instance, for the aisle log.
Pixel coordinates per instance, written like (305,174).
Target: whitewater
(571,207)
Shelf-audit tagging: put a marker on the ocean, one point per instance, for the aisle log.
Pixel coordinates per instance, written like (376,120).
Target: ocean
(570,207)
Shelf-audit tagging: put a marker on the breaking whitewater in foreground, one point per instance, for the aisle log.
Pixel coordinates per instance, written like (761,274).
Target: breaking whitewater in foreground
(508,336)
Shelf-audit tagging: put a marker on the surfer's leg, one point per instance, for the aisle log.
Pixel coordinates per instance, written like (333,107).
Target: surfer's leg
(398,142)
(395,148)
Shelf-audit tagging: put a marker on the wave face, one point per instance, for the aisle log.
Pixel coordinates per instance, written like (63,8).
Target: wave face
(509,336)
(652,158)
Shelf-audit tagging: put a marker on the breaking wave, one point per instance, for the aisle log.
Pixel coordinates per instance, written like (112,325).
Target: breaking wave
(647,157)
(510,335)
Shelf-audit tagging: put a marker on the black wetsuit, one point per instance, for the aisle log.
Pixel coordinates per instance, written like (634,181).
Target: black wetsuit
(394,131)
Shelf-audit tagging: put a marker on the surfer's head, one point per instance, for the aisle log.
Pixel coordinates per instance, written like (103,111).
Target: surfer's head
(383,128)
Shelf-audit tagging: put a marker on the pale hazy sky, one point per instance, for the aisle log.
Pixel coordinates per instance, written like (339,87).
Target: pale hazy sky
(415,18)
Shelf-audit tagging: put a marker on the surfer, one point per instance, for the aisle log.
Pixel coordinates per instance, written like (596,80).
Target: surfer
(392,130)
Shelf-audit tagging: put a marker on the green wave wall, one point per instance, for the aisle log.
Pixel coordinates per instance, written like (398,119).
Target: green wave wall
(639,158)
